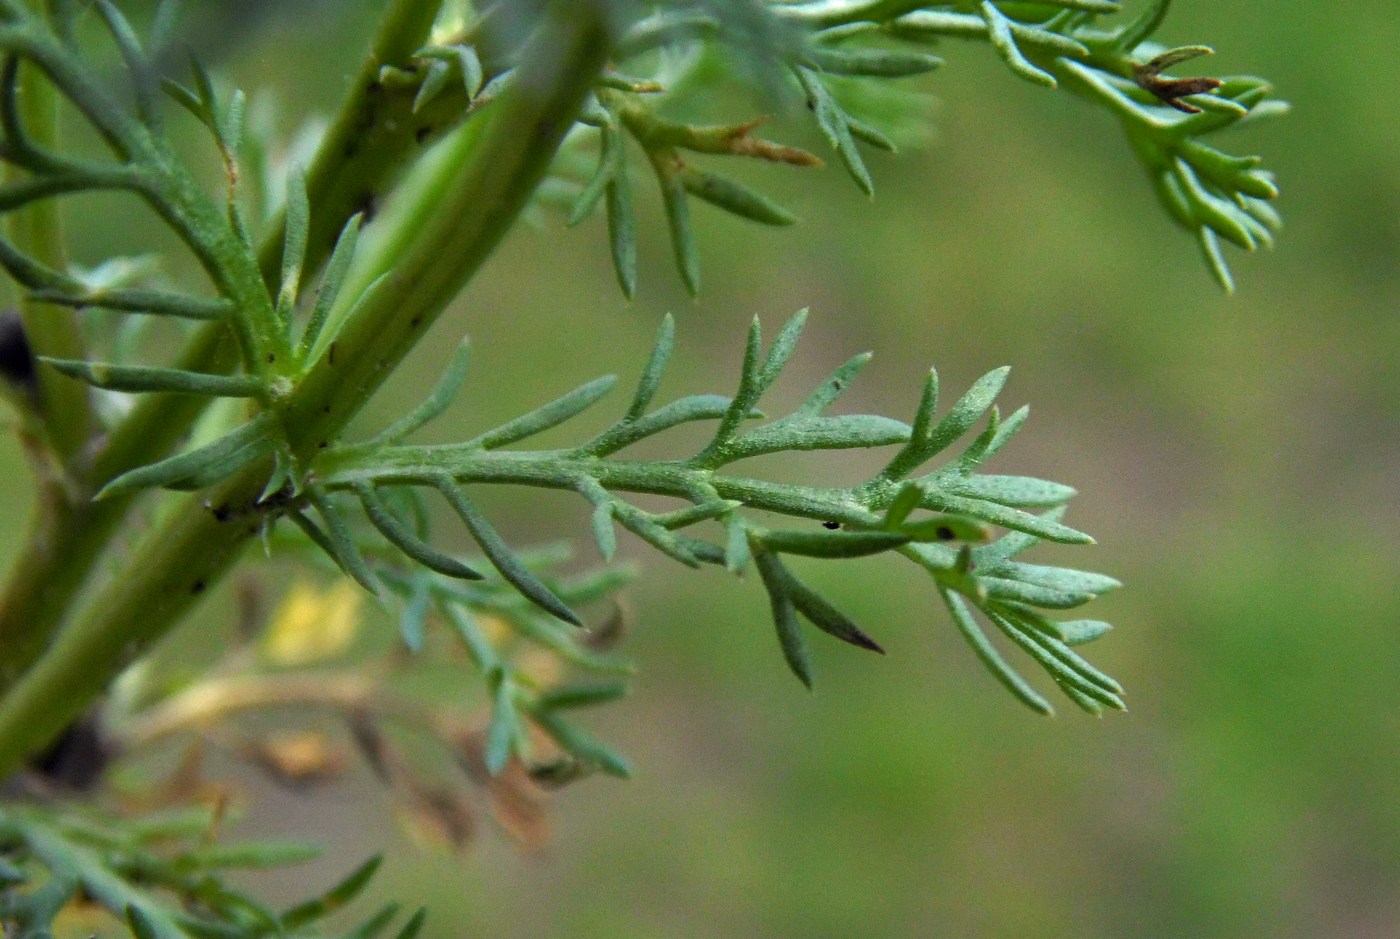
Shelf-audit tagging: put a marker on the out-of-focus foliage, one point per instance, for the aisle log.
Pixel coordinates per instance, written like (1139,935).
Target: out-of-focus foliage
(80,866)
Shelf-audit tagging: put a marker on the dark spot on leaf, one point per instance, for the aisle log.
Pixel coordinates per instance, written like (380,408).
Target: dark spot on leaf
(322,445)
(222,512)
(838,384)
(422,133)
(831,526)
(271,357)
(330,354)
(413,323)
(945,533)
(198,587)
(368,207)
(325,409)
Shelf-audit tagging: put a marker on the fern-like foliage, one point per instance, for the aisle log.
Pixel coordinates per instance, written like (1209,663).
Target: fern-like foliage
(286,295)
(143,164)
(438,588)
(286,331)
(837,55)
(162,876)
(879,516)
(535,669)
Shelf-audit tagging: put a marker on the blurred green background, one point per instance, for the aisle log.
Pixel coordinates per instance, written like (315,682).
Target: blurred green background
(1237,460)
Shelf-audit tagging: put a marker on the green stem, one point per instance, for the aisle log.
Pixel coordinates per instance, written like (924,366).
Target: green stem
(376,135)
(61,554)
(486,175)
(64,406)
(553,469)
(183,557)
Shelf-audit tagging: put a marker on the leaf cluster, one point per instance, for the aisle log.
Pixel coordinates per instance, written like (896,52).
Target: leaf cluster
(364,505)
(932,518)
(828,55)
(473,606)
(282,335)
(361,504)
(163,876)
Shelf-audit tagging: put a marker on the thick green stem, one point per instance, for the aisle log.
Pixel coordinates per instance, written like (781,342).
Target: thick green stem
(62,406)
(60,558)
(503,161)
(461,215)
(376,135)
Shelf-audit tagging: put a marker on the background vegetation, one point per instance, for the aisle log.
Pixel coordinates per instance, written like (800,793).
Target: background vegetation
(1237,459)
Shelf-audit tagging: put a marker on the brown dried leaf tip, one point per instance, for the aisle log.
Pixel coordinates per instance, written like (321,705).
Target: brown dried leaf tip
(742,143)
(517,802)
(1171,91)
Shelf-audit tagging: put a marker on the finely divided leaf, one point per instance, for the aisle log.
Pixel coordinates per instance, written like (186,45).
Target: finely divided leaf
(436,402)
(835,126)
(505,560)
(989,656)
(406,541)
(549,415)
(203,466)
(137,379)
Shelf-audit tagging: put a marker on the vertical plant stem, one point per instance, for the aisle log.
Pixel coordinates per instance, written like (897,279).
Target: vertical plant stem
(497,166)
(62,417)
(373,138)
(458,218)
(64,406)
(70,535)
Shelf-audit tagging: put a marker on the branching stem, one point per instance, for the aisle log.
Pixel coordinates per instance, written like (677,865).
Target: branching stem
(60,558)
(498,163)
(558,470)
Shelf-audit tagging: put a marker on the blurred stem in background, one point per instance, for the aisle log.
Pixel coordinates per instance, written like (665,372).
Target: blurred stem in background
(56,412)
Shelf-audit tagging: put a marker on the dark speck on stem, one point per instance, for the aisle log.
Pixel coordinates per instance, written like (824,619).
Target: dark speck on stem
(369,205)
